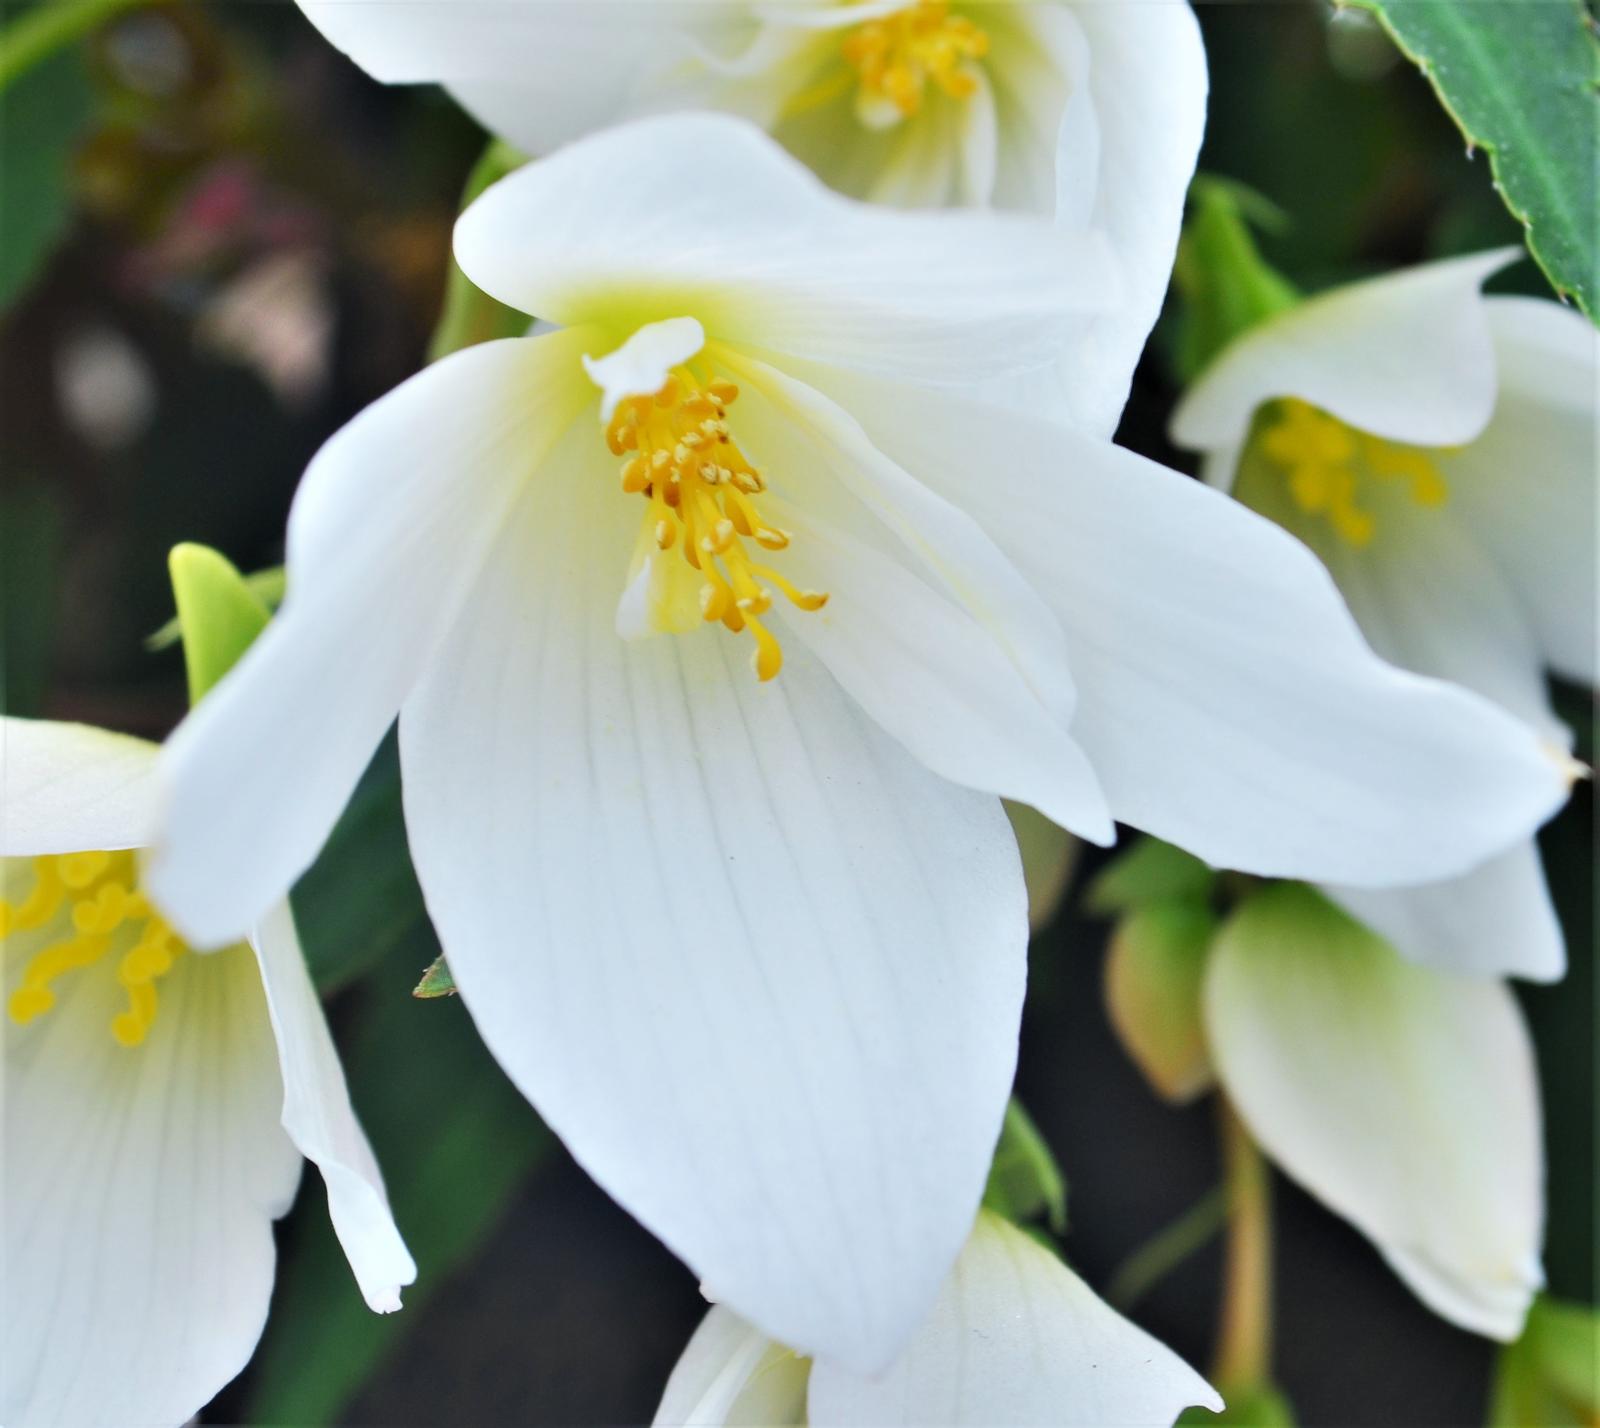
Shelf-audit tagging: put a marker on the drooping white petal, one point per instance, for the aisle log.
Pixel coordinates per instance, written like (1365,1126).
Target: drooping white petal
(1404,1098)
(1407,356)
(140,1188)
(1225,698)
(641,366)
(1495,921)
(386,533)
(321,1122)
(729,1373)
(704,215)
(1017,1338)
(759,970)
(71,788)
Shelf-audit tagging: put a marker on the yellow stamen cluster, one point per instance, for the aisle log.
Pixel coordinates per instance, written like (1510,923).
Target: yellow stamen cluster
(899,55)
(1328,462)
(90,905)
(702,497)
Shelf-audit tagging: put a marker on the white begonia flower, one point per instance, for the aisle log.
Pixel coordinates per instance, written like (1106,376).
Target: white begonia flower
(1015,1337)
(1088,110)
(157,1107)
(1404,1098)
(754,943)
(1436,448)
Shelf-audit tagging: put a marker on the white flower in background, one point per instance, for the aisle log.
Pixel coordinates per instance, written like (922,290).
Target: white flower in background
(1090,111)
(157,1107)
(1407,1099)
(1015,1337)
(754,942)
(1437,449)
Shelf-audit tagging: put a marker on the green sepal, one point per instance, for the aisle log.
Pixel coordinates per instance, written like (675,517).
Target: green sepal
(469,315)
(1149,872)
(436,981)
(1153,977)
(1226,286)
(1024,1181)
(269,584)
(1550,1378)
(218,613)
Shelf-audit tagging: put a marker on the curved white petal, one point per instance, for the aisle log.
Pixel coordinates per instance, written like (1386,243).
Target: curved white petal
(641,366)
(1406,356)
(72,788)
(387,531)
(730,1372)
(140,1188)
(703,215)
(1016,1338)
(320,1120)
(759,970)
(1225,698)
(1495,921)
(1404,1098)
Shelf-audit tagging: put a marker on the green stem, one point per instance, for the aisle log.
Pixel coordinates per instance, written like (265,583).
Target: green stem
(48,27)
(1244,1342)
(1167,1249)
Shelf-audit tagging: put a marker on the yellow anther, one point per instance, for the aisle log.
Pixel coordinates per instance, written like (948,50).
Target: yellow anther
(772,538)
(768,658)
(722,390)
(78,870)
(665,533)
(40,905)
(897,56)
(635,475)
(29,1002)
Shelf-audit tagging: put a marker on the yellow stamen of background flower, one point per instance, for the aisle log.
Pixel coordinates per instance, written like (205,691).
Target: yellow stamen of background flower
(702,495)
(897,56)
(89,905)
(1331,467)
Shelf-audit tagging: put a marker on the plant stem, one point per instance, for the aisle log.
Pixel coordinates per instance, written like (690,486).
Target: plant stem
(1244,1341)
(38,33)
(1167,1249)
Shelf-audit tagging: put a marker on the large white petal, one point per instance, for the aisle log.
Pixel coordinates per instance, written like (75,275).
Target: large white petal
(387,531)
(1404,1098)
(703,215)
(1225,697)
(732,1373)
(1495,921)
(140,1189)
(320,1120)
(759,969)
(1016,1338)
(72,788)
(1407,356)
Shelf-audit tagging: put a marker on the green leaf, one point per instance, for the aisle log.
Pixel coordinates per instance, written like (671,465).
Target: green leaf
(1049,855)
(1550,1378)
(42,115)
(1024,1180)
(1154,973)
(455,1140)
(1522,81)
(267,585)
(1150,871)
(437,981)
(470,315)
(219,614)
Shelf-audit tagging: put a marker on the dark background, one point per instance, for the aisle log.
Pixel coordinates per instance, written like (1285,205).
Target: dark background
(205,148)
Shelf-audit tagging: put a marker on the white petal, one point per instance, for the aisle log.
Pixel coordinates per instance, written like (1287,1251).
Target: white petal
(1225,698)
(140,1189)
(729,1373)
(72,788)
(641,366)
(705,216)
(320,1120)
(1404,1098)
(759,970)
(1016,1338)
(1495,921)
(386,533)
(1407,356)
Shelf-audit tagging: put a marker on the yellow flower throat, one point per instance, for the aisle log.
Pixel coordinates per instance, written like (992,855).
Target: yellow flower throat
(703,503)
(898,56)
(87,906)
(1335,470)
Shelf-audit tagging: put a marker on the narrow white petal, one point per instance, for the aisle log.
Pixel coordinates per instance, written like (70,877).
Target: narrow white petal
(1016,1338)
(641,366)
(732,1373)
(703,215)
(386,534)
(1224,695)
(1495,921)
(1407,356)
(759,970)
(1404,1098)
(140,1188)
(320,1120)
(71,788)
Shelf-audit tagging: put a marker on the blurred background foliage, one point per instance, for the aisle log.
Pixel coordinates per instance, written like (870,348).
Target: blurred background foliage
(218,241)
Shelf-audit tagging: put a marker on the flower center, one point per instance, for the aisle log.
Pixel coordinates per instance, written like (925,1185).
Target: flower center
(87,905)
(897,56)
(702,500)
(1334,470)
